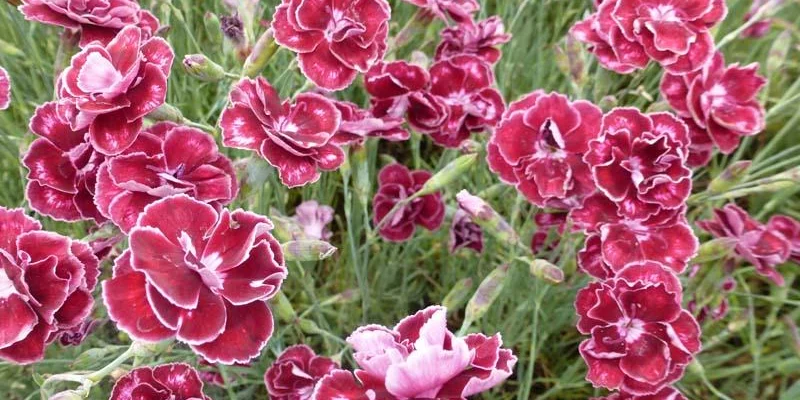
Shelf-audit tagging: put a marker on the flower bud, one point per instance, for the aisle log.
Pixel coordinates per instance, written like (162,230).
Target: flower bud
(213,28)
(262,52)
(543,269)
(67,395)
(363,181)
(166,112)
(9,49)
(487,218)
(307,250)
(451,172)
(570,61)
(714,249)
(486,294)
(286,228)
(283,308)
(200,67)
(457,295)
(308,326)
(730,177)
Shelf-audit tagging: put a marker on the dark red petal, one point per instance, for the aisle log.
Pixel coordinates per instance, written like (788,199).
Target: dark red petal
(30,349)
(181,379)
(247,331)
(602,372)
(231,240)
(293,170)
(205,322)
(187,148)
(325,70)
(177,215)
(158,52)
(51,202)
(111,133)
(647,359)
(19,320)
(287,35)
(257,278)
(149,93)
(241,128)
(340,384)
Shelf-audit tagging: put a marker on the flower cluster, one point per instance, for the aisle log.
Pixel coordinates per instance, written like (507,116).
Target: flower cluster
(168,381)
(295,372)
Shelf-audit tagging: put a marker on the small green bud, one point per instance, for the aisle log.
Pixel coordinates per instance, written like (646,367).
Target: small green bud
(200,67)
(714,249)
(486,294)
(730,177)
(213,28)
(262,52)
(487,218)
(308,326)
(543,269)
(457,295)
(166,112)
(307,250)
(283,308)
(450,173)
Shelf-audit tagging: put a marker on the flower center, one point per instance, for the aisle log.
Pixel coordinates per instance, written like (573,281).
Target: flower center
(205,267)
(631,329)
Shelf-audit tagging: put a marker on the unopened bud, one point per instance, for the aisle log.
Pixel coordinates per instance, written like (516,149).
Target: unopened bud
(307,250)
(200,67)
(9,49)
(286,229)
(308,326)
(730,177)
(450,173)
(457,295)
(283,308)
(363,182)
(714,249)
(543,269)
(487,218)
(213,28)
(67,395)
(166,112)
(262,52)
(488,291)
(570,60)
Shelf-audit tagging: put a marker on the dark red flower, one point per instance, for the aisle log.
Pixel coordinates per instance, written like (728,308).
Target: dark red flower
(664,237)
(98,20)
(464,233)
(62,168)
(110,88)
(790,228)
(538,146)
(163,382)
(294,138)
(166,159)
(199,275)
(46,283)
(396,183)
(719,99)
(464,85)
(5,89)
(359,124)
(626,34)
(638,161)
(460,11)
(334,40)
(641,338)
(753,241)
(340,384)
(391,86)
(293,375)
(667,393)
(478,38)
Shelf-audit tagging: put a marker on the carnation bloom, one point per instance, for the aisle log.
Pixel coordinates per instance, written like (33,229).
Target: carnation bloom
(358,125)
(667,393)
(419,358)
(753,241)
(334,40)
(464,85)
(200,276)
(626,34)
(294,137)
(395,184)
(313,218)
(98,20)
(166,159)
(464,233)
(538,146)
(394,86)
(110,88)
(46,283)
(460,11)
(790,229)
(720,100)
(167,381)
(5,89)
(293,375)
(62,168)
(638,161)
(641,338)
(478,38)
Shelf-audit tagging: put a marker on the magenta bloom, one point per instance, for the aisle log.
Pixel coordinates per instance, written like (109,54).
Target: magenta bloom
(667,393)
(419,358)
(626,34)
(358,125)
(477,38)
(110,88)
(720,100)
(395,183)
(5,89)
(334,40)
(538,146)
(167,381)
(460,11)
(394,86)
(200,276)
(294,138)
(641,338)
(464,233)
(790,229)
(293,375)
(313,218)
(46,283)
(62,168)
(638,161)
(97,20)
(763,247)
(166,159)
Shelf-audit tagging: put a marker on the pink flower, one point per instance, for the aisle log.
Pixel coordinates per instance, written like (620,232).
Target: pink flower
(166,159)
(46,283)
(667,393)
(5,89)
(62,168)
(200,276)
(394,85)
(294,138)
(396,183)
(110,88)
(334,41)
(167,381)
(641,338)
(756,243)
(790,229)
(464,233)
(478,38)
(419,358)
(638,161)
(721,100)
(626,34)
(538,146)
(664,237)
(460,11)
(358,125)
(313,219)
(464,84)
(98,20)
(293,375)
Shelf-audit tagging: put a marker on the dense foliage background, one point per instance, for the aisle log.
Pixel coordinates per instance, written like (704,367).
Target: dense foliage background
(752,353)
